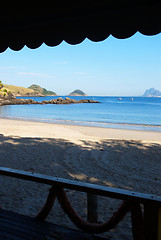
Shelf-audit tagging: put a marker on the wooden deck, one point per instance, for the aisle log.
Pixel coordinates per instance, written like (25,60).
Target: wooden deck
(145,212)
(15,226)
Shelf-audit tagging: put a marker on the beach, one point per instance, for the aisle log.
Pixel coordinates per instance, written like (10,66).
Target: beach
(22,128)
(127,159)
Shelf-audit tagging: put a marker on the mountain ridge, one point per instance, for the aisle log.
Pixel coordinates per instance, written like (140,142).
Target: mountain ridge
(35,91)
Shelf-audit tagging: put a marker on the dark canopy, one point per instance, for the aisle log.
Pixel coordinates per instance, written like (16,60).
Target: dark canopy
(74,21)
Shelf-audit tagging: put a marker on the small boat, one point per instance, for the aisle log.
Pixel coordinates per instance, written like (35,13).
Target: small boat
(132,99)
(119,98)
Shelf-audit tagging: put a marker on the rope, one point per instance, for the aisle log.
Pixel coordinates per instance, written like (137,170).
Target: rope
(85,225)
(42,215)
(95,228)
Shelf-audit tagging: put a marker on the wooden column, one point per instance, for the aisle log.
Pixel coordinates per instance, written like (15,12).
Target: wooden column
(152,222)
(92,208)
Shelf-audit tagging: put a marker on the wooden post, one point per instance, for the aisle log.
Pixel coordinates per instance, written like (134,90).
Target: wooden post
(159,224)
(152,222)
(92,208)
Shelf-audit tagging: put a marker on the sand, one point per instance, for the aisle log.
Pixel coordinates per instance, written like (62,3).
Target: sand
(127,159)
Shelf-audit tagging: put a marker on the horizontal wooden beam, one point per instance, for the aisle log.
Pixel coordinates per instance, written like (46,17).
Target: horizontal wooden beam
(82,186)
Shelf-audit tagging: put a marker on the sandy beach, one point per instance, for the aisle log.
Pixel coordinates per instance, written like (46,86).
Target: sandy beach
(127,159)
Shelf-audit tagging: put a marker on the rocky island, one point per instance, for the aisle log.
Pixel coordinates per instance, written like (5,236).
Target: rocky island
(77,92)
(152,92)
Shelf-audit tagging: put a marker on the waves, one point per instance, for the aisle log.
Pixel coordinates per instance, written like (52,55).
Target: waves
(142,127)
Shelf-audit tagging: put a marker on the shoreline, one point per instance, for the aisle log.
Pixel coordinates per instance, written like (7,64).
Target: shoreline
(104,125)
(28,128)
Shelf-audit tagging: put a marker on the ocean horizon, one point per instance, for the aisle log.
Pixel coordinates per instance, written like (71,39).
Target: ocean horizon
(138,113)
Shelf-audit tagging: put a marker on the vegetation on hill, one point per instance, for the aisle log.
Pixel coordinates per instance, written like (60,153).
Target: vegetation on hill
(41,90)
(77,92)
(5,92)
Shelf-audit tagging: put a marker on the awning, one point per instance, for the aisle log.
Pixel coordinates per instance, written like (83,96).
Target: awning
(73,22)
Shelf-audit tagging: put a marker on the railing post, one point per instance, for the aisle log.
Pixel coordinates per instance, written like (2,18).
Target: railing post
(152,222)
(92,208)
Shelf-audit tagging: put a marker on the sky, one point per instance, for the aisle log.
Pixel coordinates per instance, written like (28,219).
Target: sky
(113,67)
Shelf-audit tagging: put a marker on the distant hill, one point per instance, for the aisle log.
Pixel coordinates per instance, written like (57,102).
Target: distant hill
(41,90)
(77,92)
(152,92)
(33,90)
(20,91)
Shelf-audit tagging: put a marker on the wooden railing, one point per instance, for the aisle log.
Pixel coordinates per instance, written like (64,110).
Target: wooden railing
(146,224)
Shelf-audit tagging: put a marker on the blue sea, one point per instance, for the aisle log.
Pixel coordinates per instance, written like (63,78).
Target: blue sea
(141,113)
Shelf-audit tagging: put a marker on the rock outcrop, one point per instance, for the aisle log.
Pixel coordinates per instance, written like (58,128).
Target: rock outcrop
(60,100)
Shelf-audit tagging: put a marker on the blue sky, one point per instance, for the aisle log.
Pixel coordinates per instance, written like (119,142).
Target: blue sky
(109,68)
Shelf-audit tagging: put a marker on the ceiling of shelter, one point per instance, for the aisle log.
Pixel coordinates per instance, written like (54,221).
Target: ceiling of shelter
(73,22)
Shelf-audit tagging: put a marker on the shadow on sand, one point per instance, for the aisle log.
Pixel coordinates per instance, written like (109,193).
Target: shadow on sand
(116,163)
(130,165)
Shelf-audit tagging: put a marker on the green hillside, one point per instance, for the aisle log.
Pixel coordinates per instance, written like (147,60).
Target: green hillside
(33,90)
(19,91)
(41,90)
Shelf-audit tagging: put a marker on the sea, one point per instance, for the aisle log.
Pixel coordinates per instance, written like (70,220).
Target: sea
(138,113)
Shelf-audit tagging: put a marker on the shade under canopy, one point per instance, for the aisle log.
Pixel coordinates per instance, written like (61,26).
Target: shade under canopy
(73,22)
